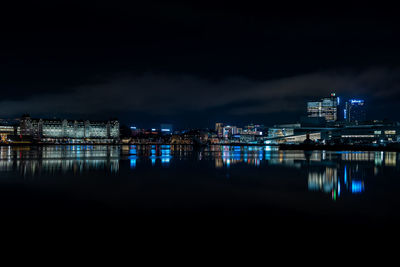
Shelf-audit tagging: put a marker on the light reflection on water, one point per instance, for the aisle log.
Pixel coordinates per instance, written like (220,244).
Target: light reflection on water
(333,173)
(51,160)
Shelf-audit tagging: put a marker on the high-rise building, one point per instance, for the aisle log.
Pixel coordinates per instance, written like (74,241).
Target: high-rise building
(355,110)
(228,131)
(326,108)
(219,126)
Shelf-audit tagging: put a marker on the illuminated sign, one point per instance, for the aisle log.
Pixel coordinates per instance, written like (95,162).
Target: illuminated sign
(165,130)
(354,101)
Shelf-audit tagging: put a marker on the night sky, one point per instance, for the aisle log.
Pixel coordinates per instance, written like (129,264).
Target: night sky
(193,63)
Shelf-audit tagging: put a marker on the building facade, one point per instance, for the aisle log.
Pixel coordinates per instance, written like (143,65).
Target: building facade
(57,129)
(219,128)
(327,108)
(355,110)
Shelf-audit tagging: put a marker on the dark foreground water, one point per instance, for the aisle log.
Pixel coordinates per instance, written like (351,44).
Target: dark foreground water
(349,188)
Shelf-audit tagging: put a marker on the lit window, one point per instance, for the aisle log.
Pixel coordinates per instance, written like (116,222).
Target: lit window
(390,132)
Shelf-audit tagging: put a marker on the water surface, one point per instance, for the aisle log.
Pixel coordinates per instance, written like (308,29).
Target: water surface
(323,186)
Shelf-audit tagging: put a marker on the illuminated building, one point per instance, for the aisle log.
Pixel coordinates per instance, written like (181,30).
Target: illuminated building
(57,129)
(365,134)
(166,128)
(135,130)
(6,131)
(282,130)
(254,129)
(354,111)
(247,138)
(219,128)
(228,131)
(326,108)
(9,129)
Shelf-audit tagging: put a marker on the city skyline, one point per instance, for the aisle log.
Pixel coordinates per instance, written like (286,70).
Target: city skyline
(332,108)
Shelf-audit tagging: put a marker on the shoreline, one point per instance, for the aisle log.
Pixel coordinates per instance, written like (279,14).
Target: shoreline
(307,147)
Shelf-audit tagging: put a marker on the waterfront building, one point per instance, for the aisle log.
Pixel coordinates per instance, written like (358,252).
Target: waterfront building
(255,129)
(6,131)
(367,134)
(9,129)
(73,130)
(219,128)
(247,138)
(282,130)
(376,133)
(355,110)
(326,108)
(229,131)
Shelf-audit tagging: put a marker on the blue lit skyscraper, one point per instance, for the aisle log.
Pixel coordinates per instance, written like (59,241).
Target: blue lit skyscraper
(355,110)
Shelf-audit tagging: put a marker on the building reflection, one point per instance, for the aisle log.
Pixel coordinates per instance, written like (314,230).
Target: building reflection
(337,181)
(330,172)
(157,154)
(51,160)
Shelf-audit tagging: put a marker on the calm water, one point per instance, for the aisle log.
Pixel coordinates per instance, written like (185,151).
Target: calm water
(350,187)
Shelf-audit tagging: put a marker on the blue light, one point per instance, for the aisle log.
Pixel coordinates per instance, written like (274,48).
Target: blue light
(353,101)
(132,150)
(165,160)
(338,101)
(133,163)
(165,130)
(133,127)
(357,187)
(345,113)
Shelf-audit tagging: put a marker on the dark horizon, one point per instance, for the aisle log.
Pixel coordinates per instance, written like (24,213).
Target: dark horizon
(194,64)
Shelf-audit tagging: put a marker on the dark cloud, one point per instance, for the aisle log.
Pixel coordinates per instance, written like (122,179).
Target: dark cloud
(163,96)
